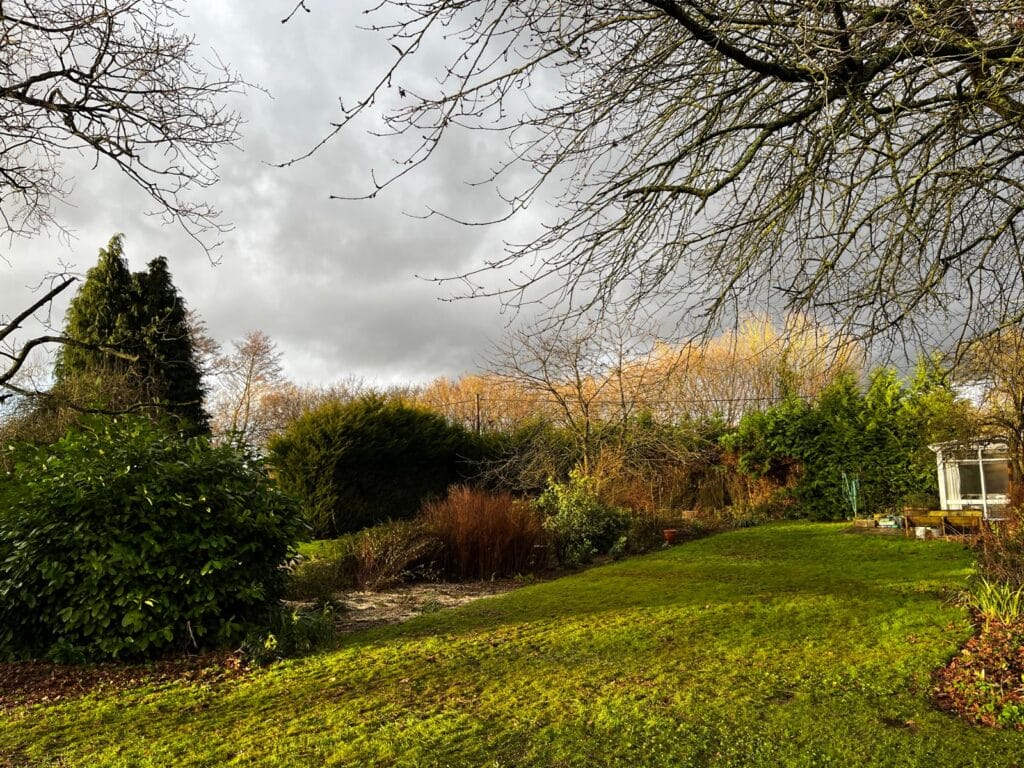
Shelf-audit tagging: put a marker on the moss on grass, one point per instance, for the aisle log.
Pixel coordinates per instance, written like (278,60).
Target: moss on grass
(787,645)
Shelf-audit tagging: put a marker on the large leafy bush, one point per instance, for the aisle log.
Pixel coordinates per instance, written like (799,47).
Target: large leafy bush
(579,522)
(358,463)
(124,539)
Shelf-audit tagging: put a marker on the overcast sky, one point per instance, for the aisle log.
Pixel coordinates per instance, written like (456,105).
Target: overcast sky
(333,283)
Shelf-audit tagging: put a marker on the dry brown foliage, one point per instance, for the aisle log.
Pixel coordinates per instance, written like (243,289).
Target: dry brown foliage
(485,535)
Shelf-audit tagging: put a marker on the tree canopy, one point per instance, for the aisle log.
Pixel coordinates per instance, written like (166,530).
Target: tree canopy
(857,162)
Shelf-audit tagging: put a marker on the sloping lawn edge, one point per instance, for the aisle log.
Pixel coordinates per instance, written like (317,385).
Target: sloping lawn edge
(785,645)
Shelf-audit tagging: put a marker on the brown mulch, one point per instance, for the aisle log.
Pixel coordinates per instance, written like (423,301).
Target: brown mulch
(986,678)
(43,682)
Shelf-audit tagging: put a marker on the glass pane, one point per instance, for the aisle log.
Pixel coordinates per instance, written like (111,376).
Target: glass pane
(970,481)
(997,477)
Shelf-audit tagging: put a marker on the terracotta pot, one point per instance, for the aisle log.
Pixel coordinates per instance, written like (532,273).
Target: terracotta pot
(670,535)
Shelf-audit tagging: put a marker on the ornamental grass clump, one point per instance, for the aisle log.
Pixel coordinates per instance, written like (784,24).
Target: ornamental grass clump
(485,535)
(124,539)
(996,601)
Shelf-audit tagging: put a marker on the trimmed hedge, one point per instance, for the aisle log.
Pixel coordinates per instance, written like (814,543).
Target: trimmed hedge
(356,464)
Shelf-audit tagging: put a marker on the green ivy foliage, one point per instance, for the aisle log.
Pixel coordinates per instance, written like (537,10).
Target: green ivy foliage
(358,463)
(123,539)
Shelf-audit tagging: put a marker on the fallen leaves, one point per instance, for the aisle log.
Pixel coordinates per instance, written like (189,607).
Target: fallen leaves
(984,682)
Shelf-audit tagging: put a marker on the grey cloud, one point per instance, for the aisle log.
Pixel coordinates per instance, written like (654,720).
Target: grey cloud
(334,283)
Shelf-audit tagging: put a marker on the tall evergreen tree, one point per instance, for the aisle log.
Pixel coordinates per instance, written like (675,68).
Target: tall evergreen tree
(167,358)
(99,316)
(143,317)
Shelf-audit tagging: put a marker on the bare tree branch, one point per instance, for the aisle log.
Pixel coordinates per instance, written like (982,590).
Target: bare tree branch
(117,80)
(859,163)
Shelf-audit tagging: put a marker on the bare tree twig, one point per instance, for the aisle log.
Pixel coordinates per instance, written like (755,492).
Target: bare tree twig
(114,79)
(859,163)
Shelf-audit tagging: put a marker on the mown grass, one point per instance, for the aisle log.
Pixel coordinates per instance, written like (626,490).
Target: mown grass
(789,645)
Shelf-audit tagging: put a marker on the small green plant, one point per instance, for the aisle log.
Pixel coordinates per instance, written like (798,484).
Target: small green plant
(995,601)
(290,633)
(618,550)
(320,578)
(580,524)
(374,558)
(431,606)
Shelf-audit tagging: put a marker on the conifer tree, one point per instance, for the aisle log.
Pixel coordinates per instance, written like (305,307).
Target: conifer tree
(167,358)
(98,316)
(136,329)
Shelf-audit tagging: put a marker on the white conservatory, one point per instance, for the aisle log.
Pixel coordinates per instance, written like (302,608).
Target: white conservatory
(974,475)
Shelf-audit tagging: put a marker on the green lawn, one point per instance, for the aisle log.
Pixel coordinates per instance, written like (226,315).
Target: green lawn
(787,645)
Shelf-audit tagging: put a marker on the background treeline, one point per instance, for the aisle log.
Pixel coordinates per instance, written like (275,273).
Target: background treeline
(762,422)
(155,482)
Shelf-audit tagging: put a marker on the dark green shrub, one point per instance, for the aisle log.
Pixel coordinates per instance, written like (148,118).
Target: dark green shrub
(878,434)
(123,539)
(359,463)
(580,524)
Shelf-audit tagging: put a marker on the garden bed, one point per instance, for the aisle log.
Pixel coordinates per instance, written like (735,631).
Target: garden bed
(43,682)
(984,682)
(365,609)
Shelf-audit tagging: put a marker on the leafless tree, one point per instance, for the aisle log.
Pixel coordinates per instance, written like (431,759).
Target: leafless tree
(117,81)
(577,373)
(861,163)
(243,379)
(602,384)
(994,367)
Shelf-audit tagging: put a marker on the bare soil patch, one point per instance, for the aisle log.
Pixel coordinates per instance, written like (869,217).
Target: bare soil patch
(391,606)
